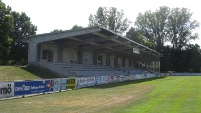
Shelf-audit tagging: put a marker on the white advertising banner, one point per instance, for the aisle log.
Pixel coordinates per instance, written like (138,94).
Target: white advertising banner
(128,77)
(141,76)
(123,78)
(85,82)
(116,78)
(138,76)
(153,75)
(101,80)
(133,77)
(148,75)
(110,79)
(6,89)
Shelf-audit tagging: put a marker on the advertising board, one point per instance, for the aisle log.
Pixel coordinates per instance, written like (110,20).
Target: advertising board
(132,77)
(6,89)
(110,79)
(116,78)
(70,83)
(123,78)
(101,80)
(31,87)
(56,85)
(85,82)
(63,84)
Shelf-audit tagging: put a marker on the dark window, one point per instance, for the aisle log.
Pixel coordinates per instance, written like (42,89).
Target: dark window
(47,55)
(44,54)
(50,56)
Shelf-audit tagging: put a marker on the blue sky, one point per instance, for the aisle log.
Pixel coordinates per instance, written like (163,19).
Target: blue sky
(48,15)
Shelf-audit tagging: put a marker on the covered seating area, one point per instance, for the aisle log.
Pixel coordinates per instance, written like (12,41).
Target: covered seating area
(91,51)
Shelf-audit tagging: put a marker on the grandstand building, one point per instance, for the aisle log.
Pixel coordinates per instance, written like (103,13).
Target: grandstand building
(91,51)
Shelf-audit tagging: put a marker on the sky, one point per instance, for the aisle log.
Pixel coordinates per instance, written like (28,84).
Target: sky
(48,15)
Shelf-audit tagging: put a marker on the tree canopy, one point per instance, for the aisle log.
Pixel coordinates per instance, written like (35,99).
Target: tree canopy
(180,27)
(13,26)
(22,28)
(56,30)
(136,36)
(77,27)
(110,18)
(6,24)
(166,24)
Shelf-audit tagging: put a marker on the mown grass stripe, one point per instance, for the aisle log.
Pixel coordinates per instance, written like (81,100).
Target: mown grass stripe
(168,96)
(160,95)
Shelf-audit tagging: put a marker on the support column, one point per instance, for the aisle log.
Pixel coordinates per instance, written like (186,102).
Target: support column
(129,61)
(94,57)
(153,67)
(32,53)
(123,61)
(60,53)
(38,52)
(107,59)
(116,61)
(80,56)
(159,67)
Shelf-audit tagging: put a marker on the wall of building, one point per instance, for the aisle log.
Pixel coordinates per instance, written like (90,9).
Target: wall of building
(70,55)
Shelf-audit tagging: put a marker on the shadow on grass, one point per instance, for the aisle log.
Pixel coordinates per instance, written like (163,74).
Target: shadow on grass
(42,73)
(111,85)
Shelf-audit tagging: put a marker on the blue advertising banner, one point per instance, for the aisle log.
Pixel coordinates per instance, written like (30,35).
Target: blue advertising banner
(31,87)
(63,84)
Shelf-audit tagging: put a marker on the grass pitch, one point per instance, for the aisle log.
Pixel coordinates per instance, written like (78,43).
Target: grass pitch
(160,95)
(10,73)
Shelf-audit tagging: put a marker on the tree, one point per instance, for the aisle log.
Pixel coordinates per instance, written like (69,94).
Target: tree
(180,27)
(6,24)
(194,54)
(174,25)
(186,60)
(136,36)
(110,18)
(100,19)
(56,30)
(153,26)
(22,28)
(76,27)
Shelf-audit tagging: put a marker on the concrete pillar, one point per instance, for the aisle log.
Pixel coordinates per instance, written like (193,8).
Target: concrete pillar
(129,60)
(123,62)
(107,59)
(94,57)
(116,61)
(32,54)
(60,53)
(159,67)
(153,66)
(80,56)
(38,52)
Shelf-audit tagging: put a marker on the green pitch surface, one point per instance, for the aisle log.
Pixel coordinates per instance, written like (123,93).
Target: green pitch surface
(161,95)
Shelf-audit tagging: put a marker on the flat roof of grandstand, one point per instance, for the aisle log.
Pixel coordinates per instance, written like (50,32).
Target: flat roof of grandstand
(96,38)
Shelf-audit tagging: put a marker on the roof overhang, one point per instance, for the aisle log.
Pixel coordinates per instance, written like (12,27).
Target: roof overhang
(96,39)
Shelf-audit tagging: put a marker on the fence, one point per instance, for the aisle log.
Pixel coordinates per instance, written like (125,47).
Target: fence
(23,88)
(185,74)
